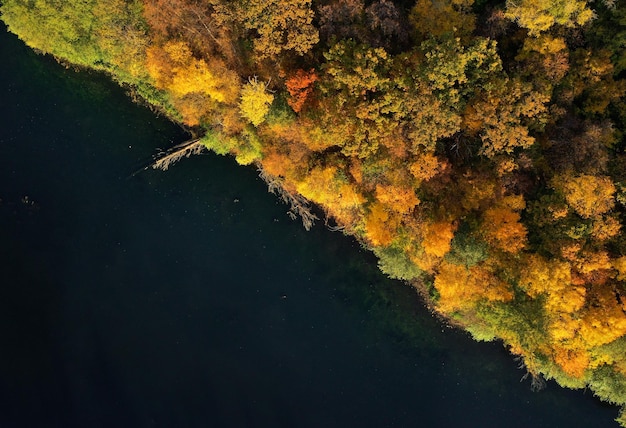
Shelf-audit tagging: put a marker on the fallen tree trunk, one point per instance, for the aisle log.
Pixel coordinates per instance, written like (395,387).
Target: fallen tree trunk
(165,158)
(298,205)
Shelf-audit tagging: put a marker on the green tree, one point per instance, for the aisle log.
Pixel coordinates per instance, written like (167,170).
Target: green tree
(63,29)
(395,263)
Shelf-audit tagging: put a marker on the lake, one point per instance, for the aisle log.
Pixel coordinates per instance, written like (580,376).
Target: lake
(189,298)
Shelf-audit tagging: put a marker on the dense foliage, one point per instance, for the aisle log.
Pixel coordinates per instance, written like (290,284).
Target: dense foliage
(477,147)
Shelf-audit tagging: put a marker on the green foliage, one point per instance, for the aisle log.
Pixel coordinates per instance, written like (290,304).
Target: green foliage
(608,385)
(102,34)
(609,31)
(63,29)
(454,70)
(215,142)
(248,150)
(466,249)
(357,89)
(395,263)
(522,324)
(481,332)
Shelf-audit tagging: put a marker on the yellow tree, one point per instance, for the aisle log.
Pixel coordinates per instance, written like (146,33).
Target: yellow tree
(573,359)
(329,187)
(381,225)
(588,195)
(426,166)
(501,113)
(437,237)
(255,101)
(604,319)
(196,87)
(356,86)
(539,15)
(401,199)
(592,79)
(545,55)
(460,288)
(502,227)
(278,25)
(550,281)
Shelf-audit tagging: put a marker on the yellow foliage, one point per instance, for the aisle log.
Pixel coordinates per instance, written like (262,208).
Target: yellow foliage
(502,111)
(196,87)
(275,163)
(553,280)
(514,202)
(175,69)
(570,252)
(319,138)
(593,261)
(503,229)
(505,166)
(604,320)
(539,15)
(564,326)
(318,185)
(588,195)
(606,228)
(255,101)
(545,44)
(426,167)
(324,186)
(567,300)
(619,264)
(280,25)
(347,197)
(400,199)
(546,55)
(558,211)
(541,276)
(380,226)
(196,78)
(425,261)
(460,288)
(472,121)
(437,238)
(574,362)
(192,107)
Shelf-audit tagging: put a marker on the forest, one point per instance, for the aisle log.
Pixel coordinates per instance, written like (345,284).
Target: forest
(476,147)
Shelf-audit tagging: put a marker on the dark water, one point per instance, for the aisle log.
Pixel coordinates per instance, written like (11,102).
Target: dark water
(187,298)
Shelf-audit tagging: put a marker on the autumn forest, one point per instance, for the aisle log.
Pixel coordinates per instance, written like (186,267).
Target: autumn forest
(476,147)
